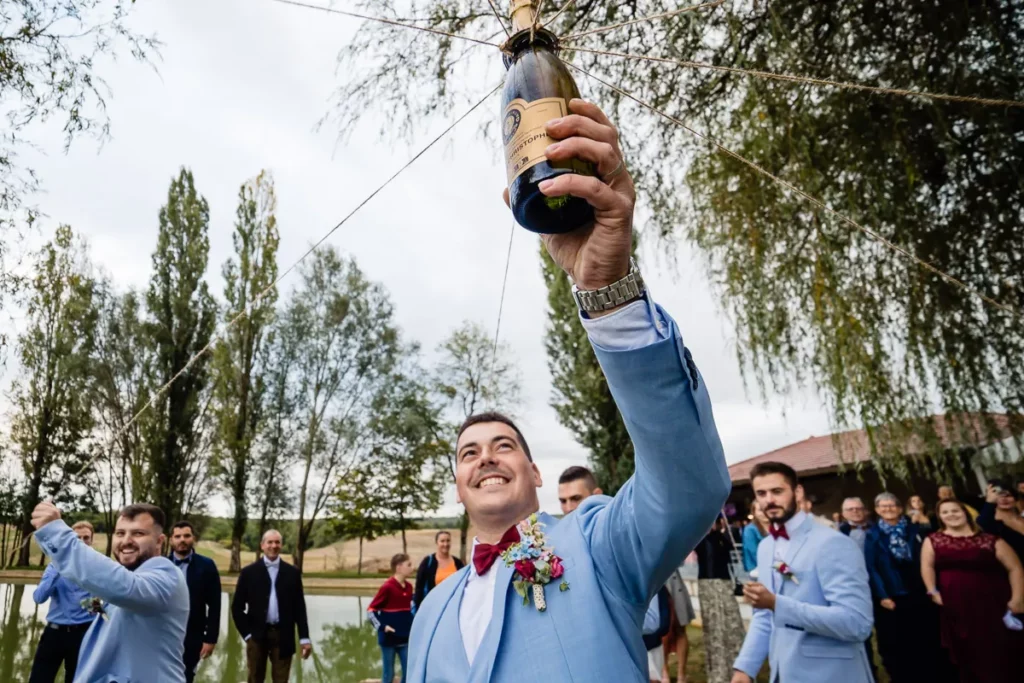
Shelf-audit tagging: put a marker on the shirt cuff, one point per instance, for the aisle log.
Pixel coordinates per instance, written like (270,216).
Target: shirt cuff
(634,326)
(305,641)
(246,639)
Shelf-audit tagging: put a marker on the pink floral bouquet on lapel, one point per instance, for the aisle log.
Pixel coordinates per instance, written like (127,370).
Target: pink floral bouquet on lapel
(536,565)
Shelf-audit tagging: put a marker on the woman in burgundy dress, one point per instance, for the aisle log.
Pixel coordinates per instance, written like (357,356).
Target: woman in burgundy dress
(974,578)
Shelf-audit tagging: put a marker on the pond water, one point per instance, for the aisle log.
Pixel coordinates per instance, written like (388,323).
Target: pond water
(344,645)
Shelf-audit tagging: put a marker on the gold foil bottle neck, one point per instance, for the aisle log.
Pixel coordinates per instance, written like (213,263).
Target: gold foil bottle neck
(521,13)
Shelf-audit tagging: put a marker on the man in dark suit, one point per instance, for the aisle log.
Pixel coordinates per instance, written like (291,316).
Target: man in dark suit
(268,606)
(203,581)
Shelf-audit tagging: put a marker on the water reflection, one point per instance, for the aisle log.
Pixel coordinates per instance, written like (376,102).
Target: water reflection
(344,647)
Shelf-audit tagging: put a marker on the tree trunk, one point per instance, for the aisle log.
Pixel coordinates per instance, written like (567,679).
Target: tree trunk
(401,522)
(359,567)
(723,627)
(3,544)
(14,547)
(300,544)
(463,533)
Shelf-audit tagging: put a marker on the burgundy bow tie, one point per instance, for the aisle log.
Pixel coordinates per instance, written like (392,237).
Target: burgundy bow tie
(778,532)
(484,554)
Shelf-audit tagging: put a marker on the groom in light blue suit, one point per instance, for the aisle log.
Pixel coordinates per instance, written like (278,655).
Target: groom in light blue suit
(141,637)
(616,552)
(812,613)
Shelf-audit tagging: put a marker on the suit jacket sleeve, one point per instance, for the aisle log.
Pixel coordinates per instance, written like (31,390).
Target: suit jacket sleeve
(421,582)
(758,639)
(300,608)
(211,596)
(239,604)
(148,589)
(680,481)
(844,583)
(46,586)
(872,556)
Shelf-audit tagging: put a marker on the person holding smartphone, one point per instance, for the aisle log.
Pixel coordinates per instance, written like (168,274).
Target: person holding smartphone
(1000,518)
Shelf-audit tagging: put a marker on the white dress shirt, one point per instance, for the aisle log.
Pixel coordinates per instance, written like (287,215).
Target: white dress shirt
(273,612)
(633,326)
(782,545)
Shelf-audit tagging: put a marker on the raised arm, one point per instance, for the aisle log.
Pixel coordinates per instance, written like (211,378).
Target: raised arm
(844,583)
(148,589)
(47,584)
(680,480)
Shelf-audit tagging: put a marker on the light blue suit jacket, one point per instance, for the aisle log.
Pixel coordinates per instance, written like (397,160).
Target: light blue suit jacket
(143,637)
(821,621)
(617,552)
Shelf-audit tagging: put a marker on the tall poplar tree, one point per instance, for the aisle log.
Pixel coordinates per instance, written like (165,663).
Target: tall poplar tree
(182,315)
(580,393)
(53,414)
(239,390)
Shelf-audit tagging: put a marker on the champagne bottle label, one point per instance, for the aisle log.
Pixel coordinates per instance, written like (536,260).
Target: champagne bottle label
(522,131)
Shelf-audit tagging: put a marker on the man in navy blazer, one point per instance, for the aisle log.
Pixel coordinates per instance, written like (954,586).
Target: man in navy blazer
(610,556)
(204,596)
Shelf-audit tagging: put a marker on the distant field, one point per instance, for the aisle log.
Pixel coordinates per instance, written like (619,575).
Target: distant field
(338,557)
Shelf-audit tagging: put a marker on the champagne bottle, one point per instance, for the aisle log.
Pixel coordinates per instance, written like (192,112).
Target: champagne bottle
(538,87)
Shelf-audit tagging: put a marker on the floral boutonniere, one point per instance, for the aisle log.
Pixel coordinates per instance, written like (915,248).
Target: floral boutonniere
(536,565)
(786,571)
(94,606)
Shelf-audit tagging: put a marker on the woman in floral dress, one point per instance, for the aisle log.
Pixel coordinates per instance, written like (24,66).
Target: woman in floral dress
(975,578)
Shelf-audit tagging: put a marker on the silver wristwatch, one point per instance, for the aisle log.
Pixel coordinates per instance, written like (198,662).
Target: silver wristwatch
(610,296)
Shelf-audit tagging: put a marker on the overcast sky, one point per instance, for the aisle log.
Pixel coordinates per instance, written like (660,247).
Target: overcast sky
(240,87)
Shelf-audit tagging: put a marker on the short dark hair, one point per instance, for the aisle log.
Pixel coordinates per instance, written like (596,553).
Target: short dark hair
(492,416)
(135,509)
(764,468)
(398,559)
(439,534)
(577,473)
(181,524)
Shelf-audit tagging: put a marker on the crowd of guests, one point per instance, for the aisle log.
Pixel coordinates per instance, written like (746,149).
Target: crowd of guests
(947,584)
(144,616)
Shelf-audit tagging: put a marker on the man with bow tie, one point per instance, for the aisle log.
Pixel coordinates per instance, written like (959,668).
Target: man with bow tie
(855,522)
(609,557)
(813,612)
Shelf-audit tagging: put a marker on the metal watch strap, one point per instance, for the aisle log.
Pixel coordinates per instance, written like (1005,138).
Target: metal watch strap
(610,296)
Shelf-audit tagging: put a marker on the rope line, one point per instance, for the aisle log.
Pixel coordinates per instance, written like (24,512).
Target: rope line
(807,79)
(501,301)
(557,14)
(259,297)
(382,20)
(812,200)
(497,15)
(663,15)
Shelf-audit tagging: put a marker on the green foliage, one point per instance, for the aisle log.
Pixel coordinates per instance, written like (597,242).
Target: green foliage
(814,301)
(239,387)
(346,346)
(472,376)
(51,396)
(48,55)
(182,315)
(409,457)
(581,396)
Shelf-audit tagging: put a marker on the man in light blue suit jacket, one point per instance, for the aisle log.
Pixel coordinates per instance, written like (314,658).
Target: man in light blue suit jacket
(145,597)
(812,607)
(616,552)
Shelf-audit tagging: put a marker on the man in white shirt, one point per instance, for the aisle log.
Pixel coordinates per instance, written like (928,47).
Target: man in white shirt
(268,607)
(567,601)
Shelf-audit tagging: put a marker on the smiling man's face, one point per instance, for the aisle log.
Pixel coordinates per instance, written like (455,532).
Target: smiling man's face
(494,477)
